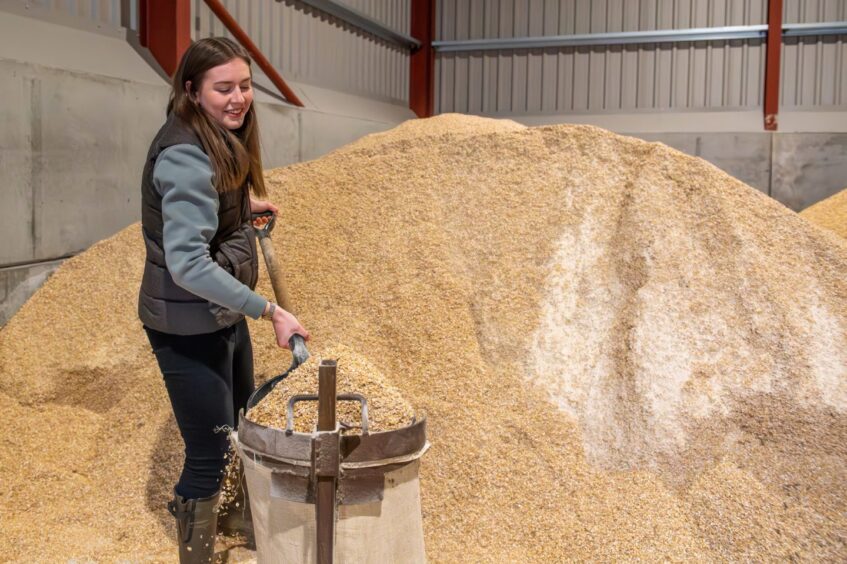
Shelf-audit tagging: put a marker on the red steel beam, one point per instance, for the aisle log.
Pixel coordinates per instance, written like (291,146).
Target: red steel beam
(422,61)
(165,28)
(772,64)
(239,34)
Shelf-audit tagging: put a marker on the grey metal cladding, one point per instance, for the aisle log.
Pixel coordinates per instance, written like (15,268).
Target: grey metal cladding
(725,74)
(814,68)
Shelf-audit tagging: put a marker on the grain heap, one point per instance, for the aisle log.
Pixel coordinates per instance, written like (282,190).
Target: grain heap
(387,410)
(830,213)
(623,352)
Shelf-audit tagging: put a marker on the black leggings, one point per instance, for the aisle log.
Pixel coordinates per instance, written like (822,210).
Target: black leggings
(209,378)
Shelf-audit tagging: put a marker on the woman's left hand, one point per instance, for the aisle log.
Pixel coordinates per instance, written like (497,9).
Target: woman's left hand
(259,206)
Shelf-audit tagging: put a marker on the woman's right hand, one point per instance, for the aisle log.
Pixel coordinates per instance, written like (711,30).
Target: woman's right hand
(286,325)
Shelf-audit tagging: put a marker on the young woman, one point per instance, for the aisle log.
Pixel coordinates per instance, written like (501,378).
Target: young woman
(201,181)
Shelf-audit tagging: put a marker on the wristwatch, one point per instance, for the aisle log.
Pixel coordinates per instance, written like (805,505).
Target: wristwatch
(269,315)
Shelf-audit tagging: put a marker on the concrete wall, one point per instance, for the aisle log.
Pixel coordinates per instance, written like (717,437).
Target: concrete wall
(808,167)
(77,123)
(796,169)
(799,165)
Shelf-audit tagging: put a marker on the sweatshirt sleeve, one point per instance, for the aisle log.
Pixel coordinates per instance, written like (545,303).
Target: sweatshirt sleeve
(183,176)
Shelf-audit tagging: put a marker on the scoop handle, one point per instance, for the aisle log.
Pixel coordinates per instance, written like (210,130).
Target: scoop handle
(275,274)
(299,352)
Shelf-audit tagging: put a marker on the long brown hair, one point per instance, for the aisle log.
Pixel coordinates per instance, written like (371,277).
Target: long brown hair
(235,155)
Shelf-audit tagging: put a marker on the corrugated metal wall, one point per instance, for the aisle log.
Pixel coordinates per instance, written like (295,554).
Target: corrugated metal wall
(393,14)
(320,50)
(726,74)
(814,69)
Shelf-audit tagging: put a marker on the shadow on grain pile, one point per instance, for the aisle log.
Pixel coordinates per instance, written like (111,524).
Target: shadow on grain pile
(624,354)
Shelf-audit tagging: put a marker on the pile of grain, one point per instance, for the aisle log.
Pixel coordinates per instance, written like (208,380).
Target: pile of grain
(387,409)
(623,353)
(830,213)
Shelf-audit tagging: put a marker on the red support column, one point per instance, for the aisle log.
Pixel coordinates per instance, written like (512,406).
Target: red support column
(422,61)
(772,64)
(165,29)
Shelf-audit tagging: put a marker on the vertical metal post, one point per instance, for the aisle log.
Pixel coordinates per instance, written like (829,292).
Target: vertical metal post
(422,61)
(772,62)
(326,484)
(165,28)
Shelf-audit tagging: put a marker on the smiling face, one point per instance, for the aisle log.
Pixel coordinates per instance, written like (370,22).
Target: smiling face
(225,93)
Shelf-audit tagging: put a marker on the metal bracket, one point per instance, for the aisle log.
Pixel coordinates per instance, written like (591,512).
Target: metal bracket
(326,454)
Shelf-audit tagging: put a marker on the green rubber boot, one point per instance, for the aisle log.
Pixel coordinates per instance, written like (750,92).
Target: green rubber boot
(196,525)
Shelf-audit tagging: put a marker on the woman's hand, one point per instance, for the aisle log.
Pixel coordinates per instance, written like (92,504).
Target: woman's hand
(259,206)
(286,325)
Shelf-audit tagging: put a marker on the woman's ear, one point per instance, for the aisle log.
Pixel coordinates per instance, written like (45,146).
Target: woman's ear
(189,91)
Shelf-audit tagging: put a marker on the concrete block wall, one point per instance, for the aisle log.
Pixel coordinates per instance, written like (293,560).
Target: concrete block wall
(71,143)
(802,163)
(70,146)
(808,167)
(796,169)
